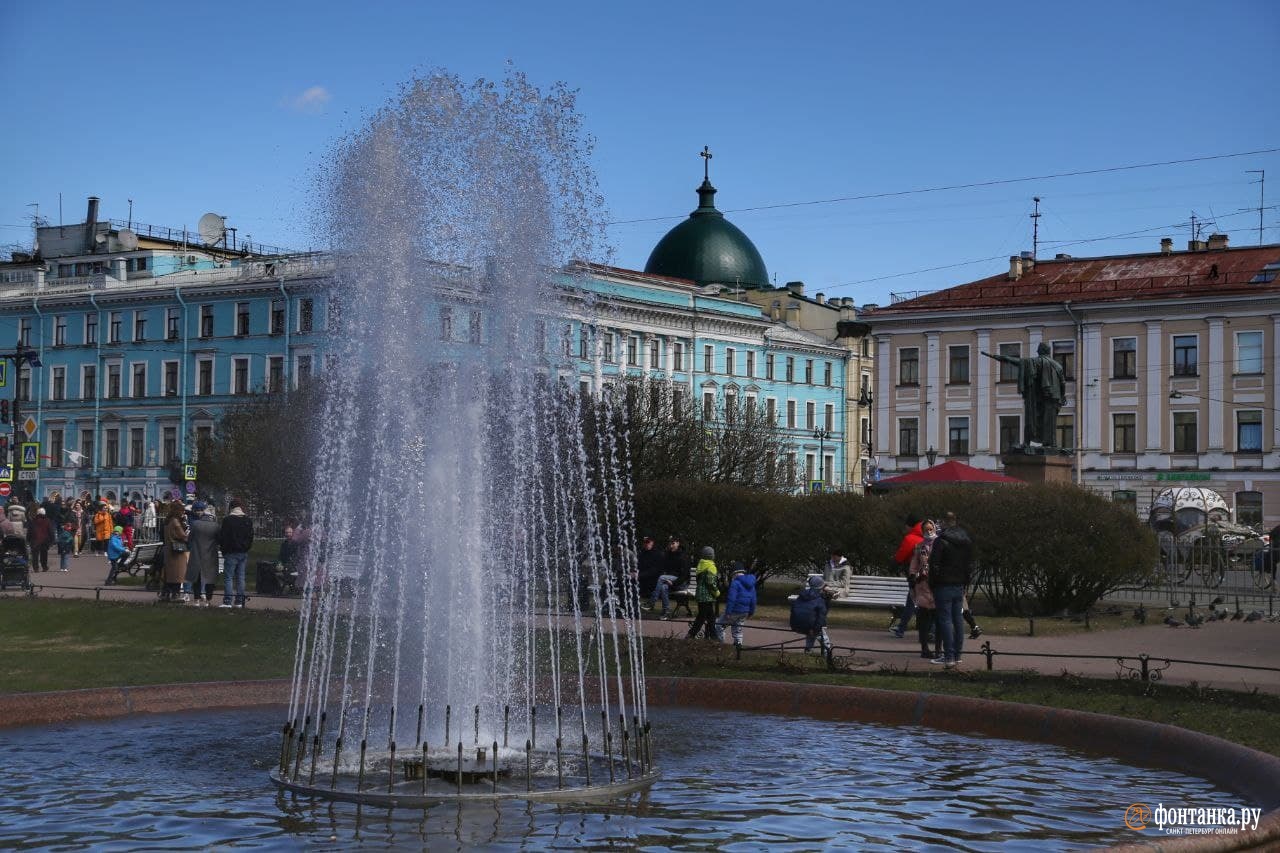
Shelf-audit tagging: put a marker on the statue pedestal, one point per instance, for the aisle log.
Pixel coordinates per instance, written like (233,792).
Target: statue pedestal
(1038,469)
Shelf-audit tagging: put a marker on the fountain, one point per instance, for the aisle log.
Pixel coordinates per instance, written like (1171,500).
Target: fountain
(470,628)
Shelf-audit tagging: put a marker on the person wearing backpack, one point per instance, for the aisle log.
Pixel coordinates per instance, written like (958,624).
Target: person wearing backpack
(809,615)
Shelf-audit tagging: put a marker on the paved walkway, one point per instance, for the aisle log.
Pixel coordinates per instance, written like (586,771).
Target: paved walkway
(1255,644)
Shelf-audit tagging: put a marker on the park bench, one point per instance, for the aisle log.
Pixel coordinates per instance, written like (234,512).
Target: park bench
(870,591)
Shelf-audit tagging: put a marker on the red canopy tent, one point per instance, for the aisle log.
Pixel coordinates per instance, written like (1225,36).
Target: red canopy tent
(944,473)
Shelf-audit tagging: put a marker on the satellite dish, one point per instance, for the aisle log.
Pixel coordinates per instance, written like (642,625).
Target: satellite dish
(99,238)
(213,228)
(127,239)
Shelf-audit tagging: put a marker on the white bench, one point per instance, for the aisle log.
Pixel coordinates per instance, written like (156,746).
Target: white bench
(870,591)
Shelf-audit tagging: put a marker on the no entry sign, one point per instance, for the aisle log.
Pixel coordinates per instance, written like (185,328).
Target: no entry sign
(5,490)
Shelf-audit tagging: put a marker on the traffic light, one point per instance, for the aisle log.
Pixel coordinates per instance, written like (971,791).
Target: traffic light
(4,448)
(4,411)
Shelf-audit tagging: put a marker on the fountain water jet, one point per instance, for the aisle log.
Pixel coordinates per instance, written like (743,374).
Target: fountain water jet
(475,543)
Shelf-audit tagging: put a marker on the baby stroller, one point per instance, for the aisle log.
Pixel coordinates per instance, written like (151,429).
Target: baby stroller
(14,562)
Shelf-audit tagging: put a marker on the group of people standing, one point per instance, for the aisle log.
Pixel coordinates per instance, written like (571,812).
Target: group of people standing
(193,539)
(938,560)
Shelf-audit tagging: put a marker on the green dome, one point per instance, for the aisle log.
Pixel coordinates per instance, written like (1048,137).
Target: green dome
(708,249)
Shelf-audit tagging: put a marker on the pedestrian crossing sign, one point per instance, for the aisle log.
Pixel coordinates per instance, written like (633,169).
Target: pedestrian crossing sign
(30,457)
(4,373)
(6,473)
(188,472)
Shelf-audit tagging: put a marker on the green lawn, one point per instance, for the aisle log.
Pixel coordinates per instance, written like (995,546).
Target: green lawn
(67,644)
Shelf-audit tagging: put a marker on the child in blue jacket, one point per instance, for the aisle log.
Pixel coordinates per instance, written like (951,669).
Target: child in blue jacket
(66,545)
(740,604)
(115,553)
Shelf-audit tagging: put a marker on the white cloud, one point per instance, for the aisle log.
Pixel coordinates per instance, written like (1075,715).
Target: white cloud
(311,100)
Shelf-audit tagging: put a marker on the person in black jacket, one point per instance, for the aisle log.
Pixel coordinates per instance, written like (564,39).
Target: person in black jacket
(674,575)
(809,615)
(235,538)
(950,563)
(648,568)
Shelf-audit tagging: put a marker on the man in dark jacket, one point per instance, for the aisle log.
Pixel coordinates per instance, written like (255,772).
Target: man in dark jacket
(648,569)
(235,538)
(674,575)
(950,563)
(40,536)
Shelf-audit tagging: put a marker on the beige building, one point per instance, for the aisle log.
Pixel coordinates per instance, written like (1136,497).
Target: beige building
(1170,360)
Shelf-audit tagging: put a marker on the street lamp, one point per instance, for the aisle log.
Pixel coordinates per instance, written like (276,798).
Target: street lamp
(22,354)
(821,435)
(931,455)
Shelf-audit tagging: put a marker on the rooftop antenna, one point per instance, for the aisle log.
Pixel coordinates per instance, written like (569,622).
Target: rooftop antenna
(130,223)
(213,229)
(1035,229)
(1195,227)
(1262,196)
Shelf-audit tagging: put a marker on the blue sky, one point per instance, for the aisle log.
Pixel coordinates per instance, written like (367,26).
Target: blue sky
(230,107)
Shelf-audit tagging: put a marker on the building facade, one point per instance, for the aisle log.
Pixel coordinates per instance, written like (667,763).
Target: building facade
(1170,360)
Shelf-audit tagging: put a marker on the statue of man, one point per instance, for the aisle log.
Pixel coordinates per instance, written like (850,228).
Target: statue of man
(1043,390)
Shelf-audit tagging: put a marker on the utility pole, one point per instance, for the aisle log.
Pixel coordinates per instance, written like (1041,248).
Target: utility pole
(1262,196)
(22,354)
(1035,230)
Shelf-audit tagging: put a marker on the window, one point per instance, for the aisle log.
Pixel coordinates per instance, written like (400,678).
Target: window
(56,438)
(170,378)
(24,332)
(730,406)
(908,436)
(828,466)
(909,366)
(655,400)
(138,264)
(584,342)
(91,328)
(1249,509)
(810,467)
(810,415)
(446,322)
(302,369)
(791,467)
(139,326)
(958,365)
(278,319)
(169,444)
(829,418)
(86,448)
(791,369)
(1124,432)
(957,436)
(677,356)
(1185,439)
(1127,498)
(730,361)
(242,318)
(865,432)
(204,437)
(826,373)
(1064,352)
(307,315)
(114,323)
(1009,372)
(111,448)
(206,321)
(751,365)
(633,351)
(60,331)
(172,318)
(708,405)
(59,384)
(136,448)
(1065,430)
(1248,352)
(808,371)
(1124,358)
(113,381)
(88,382)
(240,376)
(275,373)
(708,358)
(24,383)
(475,326)
(791,414)
(566,333)
(678,402)
(768,366)
(333,318)
(608,347)
(655,358)
(771,411)
(1249,431)
(751,407)
(139,386)
(1010,429)
(1186,355)
(204,377)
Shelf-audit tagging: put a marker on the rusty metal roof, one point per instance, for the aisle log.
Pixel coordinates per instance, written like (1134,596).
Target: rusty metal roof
(1216,272)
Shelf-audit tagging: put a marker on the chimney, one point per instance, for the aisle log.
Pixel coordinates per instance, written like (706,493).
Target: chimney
(1195,245)
(1166,245)
(1015,268)
(1218,241)
(820,298)
(118,271)
(796,287)
(1062,256)
(775,311)
(91,223)
(1028,262)
(793,314)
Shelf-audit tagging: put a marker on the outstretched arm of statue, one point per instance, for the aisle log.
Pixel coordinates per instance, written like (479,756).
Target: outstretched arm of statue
(1007,359)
